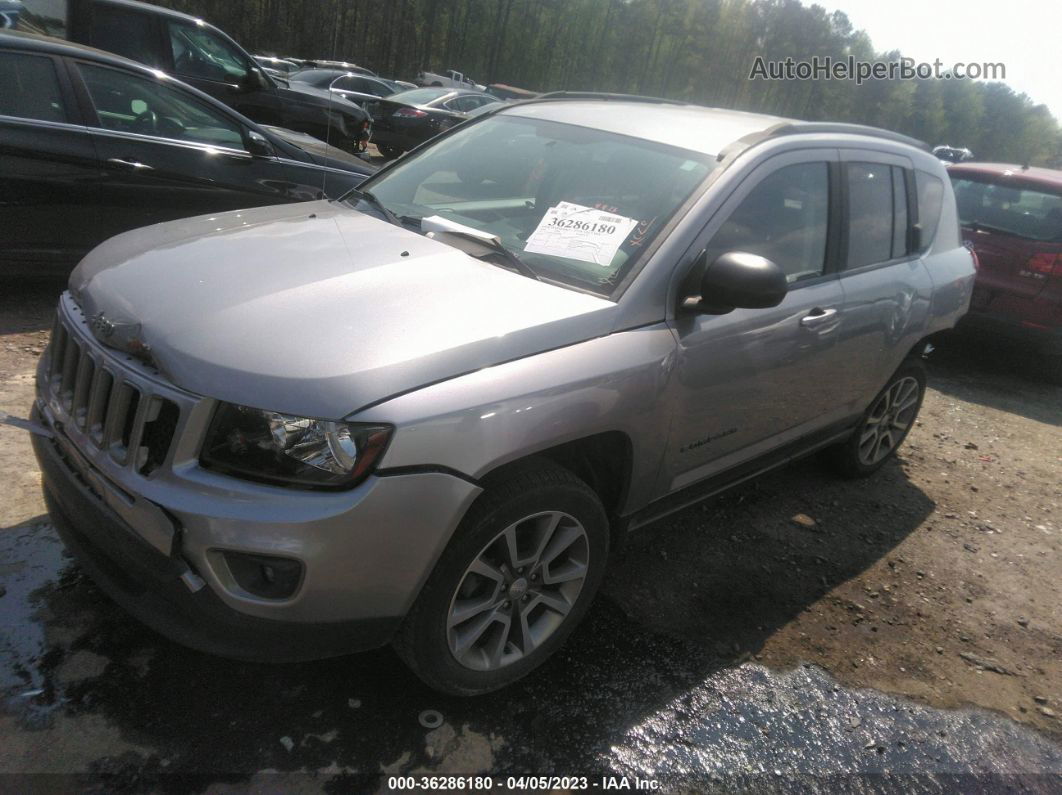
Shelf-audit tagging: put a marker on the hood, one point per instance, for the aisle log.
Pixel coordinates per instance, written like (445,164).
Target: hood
(322,153)
(317,309)
(319,97)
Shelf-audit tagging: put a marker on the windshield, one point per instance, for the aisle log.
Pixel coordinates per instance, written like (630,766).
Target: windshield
(576,204)
(1024,212)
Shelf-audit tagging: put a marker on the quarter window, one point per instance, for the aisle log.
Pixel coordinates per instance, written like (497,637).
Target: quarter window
(30,87)
(784,219)
(930,201)
(133,104)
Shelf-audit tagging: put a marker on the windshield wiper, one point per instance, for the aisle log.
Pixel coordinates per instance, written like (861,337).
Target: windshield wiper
(370,198)
(494,246)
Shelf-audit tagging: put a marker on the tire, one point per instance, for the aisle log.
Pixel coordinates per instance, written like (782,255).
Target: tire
(388,151)
(443,639)
(863,454)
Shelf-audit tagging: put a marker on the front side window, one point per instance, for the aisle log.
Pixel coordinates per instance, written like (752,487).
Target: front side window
(126,32)
(133,104)
(200,53)
(785,219)
(511,177)
(30,87)
(1026,212)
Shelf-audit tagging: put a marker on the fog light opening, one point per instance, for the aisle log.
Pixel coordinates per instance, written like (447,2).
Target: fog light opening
(265,576)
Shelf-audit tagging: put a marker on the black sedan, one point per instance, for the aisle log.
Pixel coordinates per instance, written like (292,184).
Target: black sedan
(407,119)
(357,88)
(92,144)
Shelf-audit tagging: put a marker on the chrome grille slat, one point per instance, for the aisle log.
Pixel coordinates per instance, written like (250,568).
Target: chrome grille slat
(109,406)
(86,369)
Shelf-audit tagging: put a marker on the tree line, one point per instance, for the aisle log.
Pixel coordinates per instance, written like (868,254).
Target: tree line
(700,51)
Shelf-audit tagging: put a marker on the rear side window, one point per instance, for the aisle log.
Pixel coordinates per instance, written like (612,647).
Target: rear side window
(30,87)
(1025,212)
(784,219)
(44,17)
(877,214)
(930,202)
(125,32)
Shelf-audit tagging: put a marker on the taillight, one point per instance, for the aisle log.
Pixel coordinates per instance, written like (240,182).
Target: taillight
(1046,264)
(410,113)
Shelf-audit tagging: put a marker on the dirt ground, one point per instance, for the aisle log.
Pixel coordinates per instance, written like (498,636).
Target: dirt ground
(938,579)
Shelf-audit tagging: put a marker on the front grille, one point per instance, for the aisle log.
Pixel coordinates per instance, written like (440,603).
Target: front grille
(108,404)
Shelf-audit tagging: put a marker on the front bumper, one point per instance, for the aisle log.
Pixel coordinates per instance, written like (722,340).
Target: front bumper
(363,567)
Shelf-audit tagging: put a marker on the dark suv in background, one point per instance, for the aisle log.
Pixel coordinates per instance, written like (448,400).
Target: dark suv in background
(1011,217)
(206,58)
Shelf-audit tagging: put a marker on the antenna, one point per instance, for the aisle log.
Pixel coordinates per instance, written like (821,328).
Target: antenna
(331,99)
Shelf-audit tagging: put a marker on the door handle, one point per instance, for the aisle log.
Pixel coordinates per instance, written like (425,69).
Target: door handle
(129,164)
(818,317)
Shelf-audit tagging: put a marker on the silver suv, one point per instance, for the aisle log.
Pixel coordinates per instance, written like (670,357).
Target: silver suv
(426,414)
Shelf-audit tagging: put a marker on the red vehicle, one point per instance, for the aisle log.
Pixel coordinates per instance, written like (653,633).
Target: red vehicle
(1011,216)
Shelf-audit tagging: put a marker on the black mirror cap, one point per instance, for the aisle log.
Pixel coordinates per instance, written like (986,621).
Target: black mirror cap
(740,280)
(258,145)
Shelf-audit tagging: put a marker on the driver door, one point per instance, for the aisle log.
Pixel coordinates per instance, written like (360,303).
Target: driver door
(751,381)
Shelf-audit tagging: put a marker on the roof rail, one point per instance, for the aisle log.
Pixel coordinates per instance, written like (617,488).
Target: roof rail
(811,127)
(608,96)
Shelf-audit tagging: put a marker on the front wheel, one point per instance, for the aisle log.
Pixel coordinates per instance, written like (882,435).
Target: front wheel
(514,582)
(884,425)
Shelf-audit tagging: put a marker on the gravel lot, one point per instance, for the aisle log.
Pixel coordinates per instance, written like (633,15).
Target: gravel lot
(906,626)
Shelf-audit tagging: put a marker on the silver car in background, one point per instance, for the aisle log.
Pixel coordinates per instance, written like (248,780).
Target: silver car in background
(426,414)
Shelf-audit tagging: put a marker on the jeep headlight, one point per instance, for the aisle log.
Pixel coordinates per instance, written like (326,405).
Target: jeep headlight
(295,451)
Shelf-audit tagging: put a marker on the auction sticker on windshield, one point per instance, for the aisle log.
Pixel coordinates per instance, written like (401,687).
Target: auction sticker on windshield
(577,232)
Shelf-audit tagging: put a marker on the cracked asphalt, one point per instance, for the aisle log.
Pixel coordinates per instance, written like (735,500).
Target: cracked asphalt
(799,633)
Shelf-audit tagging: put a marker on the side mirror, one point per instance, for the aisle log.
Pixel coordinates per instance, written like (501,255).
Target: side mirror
(258,145)
(253,80)
(739,280)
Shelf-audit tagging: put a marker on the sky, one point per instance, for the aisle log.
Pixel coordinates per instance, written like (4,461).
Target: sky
(1025,35)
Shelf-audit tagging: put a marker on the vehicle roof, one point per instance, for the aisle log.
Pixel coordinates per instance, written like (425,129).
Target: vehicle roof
(699,129)
(1044,176)
(335,73)
(151,8)
(21,40)
(694,127)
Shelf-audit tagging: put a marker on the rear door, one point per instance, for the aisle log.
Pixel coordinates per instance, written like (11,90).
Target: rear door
(167,154)
(887,288)
(48,167)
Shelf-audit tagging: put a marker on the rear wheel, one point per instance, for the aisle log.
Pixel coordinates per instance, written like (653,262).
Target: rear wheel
(514,582)
(388,151)
(884,425)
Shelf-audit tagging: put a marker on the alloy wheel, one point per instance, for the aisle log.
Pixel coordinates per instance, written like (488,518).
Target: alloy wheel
(889,420)
(518,591)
